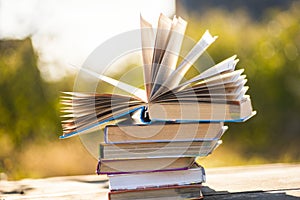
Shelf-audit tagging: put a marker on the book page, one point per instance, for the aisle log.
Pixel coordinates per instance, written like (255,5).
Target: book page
(241,81)
(222,84)
(227,65)
(174,79)
(169,61)
(148,39)
(242,93)
(211,91)
(83,120)
(161,42)
(137,92)
(224,66)
(229,77)
(228,82)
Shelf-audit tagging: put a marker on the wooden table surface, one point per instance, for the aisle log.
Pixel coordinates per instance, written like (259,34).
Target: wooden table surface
(272,181)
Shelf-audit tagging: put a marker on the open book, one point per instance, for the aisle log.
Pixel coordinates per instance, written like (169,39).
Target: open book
(217,94)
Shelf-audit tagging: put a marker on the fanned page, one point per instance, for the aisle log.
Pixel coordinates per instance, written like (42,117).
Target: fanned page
(85,111)
(137,92)
(224,87)
(170,57)
(161,42)
(225,66)
(147,38)
(174,79)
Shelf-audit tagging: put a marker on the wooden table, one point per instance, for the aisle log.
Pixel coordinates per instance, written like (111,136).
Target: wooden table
(272,181)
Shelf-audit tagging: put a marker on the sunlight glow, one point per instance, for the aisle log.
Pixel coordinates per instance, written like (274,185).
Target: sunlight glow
(65,32)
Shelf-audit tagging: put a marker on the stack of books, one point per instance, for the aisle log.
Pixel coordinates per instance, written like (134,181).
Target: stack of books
(153,135)
(157,161)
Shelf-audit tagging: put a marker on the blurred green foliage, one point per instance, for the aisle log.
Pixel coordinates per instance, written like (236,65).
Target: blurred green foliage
(268,50)
(28,105)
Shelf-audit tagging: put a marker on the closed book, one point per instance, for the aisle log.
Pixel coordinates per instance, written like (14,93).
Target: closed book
(123,166)
(206,111)
(157,149)
(174,192)
(158,132)
(193,175)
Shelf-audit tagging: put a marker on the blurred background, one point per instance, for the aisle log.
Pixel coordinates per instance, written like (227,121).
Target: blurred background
(40,40)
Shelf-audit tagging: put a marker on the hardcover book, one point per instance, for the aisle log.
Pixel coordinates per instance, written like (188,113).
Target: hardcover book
(163,132)
(193,175)
(124,166)
(158,149)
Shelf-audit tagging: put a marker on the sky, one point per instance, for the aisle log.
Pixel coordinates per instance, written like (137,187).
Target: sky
(65,32)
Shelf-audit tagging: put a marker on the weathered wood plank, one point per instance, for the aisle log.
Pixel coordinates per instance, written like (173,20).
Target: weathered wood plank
(272,181)
(70,187)
(275,181)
